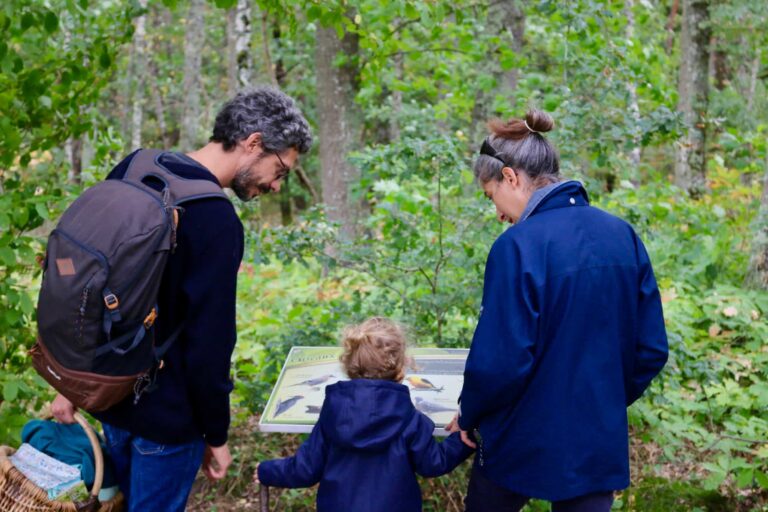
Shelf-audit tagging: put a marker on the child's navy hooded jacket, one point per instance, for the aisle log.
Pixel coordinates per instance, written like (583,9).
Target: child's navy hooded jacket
(364,451)
(570,333)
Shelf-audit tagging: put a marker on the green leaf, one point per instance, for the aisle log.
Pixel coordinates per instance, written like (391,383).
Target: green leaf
(42,210)
(7,256)
(105,59)
(27,20)
(10,391)
(314,13)
(744,478)
(762,479)
(50,22)
(411,11)
(25,304)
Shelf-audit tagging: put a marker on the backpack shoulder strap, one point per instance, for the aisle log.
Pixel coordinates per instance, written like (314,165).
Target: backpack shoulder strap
(146,166)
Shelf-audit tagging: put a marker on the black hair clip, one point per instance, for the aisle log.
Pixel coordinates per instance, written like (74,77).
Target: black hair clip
(487,149)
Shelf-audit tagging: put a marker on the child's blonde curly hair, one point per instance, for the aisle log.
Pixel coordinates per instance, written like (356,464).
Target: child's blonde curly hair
(375,349)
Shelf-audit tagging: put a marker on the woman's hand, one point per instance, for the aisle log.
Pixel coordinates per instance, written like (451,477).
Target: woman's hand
(453,426)
(256,475)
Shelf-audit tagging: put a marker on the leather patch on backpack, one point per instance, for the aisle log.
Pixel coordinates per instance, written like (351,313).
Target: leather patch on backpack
(66,266)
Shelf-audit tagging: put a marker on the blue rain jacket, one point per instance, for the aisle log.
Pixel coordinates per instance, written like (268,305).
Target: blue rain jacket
(570,333)
(364,450)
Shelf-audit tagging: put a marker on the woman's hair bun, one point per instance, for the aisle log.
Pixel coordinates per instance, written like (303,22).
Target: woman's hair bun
(539,121)
(535,121)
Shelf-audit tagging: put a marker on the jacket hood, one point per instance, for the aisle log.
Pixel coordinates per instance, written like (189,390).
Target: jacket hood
(566,194)
(365,414)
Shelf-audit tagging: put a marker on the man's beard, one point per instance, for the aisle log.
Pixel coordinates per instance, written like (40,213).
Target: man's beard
(245,181)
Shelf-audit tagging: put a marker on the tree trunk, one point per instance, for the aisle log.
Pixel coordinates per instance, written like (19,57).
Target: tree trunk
(270,66)
(757,275)
(671,25)
(232,84)
(276,71)
(693,90)
(720,70)
(397,100)
(503,16)
(74,150)
(167,104)
(73,147)
(509,16)
(634,108)
(241,60)
(513,16)
(194,37)
(158,104)
(340,126)
(138,72)
(753,80)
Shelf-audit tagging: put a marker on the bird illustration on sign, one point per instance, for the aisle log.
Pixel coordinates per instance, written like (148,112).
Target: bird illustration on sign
(284,405)
(430,407)
(422,384)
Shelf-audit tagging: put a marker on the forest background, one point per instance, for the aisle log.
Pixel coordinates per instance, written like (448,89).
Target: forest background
(660,109)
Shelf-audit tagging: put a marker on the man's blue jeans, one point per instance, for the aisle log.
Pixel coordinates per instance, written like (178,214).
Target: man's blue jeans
(153,476)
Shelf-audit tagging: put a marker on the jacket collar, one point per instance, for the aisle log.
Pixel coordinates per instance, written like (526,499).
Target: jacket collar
(557,195)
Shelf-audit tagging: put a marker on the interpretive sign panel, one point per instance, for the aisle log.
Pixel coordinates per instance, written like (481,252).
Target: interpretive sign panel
(435,383)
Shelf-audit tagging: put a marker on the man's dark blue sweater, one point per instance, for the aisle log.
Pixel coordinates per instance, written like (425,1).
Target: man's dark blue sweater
(191,399)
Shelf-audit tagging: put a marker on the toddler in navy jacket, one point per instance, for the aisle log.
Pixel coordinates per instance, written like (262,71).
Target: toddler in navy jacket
(369,441)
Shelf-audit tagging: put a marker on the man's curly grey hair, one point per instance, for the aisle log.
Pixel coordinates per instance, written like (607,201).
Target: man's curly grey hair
(265,110)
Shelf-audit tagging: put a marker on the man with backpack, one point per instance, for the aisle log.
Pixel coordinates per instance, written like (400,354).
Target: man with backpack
(176,416)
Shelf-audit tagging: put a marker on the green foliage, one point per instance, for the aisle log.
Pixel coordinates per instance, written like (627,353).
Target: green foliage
(708,412)
(23,208)
(54,59)
(428,74)
(660,495)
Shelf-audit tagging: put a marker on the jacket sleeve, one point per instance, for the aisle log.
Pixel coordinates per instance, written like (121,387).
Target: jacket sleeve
(431,458)
(302,470)
(501,355)
(651,348)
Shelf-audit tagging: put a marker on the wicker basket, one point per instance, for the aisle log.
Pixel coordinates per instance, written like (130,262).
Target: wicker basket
(18,494)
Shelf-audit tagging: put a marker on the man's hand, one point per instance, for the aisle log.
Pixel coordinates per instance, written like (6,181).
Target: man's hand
(62,409)
(453,426)
(256,475)
(216,461)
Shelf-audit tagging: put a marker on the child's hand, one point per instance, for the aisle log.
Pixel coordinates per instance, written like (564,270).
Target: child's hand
(256,475)
(453,426)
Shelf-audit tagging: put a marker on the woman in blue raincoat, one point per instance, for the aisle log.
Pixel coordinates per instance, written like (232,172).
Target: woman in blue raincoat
(570,333)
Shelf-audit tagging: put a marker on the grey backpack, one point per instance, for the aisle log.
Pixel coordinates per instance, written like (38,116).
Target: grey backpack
(98,300)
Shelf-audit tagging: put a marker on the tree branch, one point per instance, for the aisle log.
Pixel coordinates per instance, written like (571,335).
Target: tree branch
(265,47)
(304,180)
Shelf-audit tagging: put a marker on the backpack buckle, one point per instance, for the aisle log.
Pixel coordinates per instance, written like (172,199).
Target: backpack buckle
(111,301)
